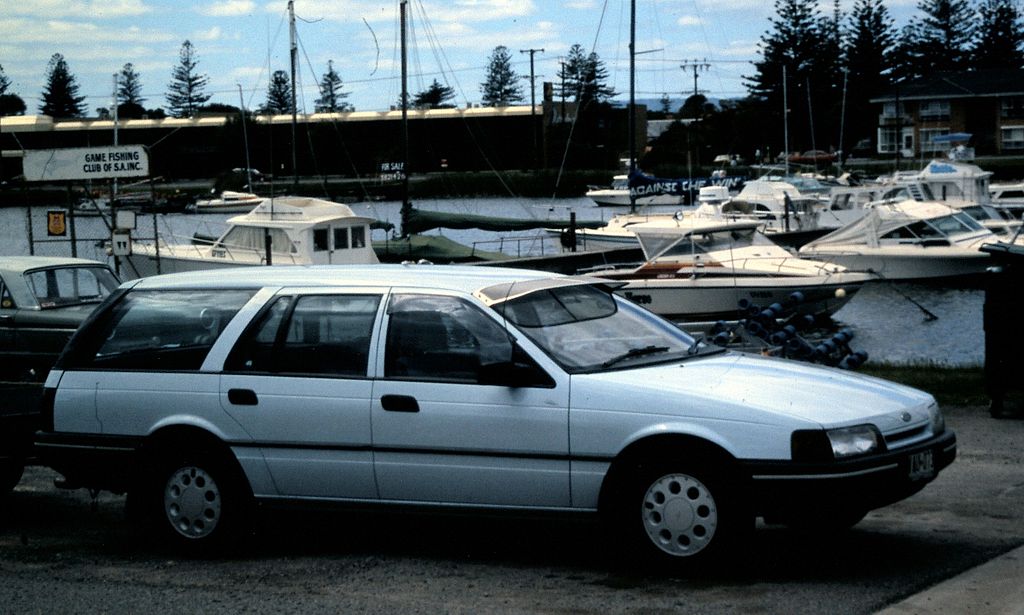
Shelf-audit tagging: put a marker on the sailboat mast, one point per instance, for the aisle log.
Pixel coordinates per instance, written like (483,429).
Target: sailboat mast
(785,119)
(632,99)
(294,49)
(406,206)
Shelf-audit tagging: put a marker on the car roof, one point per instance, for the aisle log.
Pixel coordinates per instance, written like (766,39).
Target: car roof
(464,278)
(16,265)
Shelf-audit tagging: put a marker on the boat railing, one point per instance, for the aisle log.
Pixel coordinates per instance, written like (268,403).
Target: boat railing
(516,243)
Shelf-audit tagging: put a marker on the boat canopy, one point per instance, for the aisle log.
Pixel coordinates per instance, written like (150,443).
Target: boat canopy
(908,220)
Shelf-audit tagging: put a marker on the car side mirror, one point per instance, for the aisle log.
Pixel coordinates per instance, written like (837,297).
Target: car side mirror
(515,374)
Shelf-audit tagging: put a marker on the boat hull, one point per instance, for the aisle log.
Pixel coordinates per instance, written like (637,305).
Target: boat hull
(934,264)
(702,299)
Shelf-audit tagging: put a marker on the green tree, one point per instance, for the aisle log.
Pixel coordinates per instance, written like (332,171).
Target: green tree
(501,86)
(1000,41)
(129,85)
(940,40)
(436,96)
(332,98)
(60,94)
(185,92)
(11,104)
(279,94)
(5,81)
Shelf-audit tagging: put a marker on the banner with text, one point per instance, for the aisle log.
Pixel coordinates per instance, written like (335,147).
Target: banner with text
(111,162)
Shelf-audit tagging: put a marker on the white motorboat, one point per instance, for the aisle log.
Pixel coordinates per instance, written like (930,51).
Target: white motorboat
(700,269)
(1009,197)
(230,202)
(908,240)
(278,231)
(791,217)
(618,232)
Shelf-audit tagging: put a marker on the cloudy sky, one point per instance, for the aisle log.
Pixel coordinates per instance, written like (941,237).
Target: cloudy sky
(240,42)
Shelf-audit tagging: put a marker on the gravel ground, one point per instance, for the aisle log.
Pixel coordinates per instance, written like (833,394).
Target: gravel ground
(65,552)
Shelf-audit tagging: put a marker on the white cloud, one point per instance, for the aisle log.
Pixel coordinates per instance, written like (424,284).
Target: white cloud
(96,9)
(690,20)
(229,8)
(212,34)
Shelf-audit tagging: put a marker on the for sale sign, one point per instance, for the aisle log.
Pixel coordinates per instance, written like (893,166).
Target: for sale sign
(82,163)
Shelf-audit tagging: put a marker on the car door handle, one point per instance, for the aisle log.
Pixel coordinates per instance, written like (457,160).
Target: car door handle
(399,403)
(242,397)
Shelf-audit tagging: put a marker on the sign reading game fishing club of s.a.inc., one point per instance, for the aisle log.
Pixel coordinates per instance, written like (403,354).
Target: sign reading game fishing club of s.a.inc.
(113,162)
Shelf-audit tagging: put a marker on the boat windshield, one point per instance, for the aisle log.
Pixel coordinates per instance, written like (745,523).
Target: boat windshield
(252,238)
(718,241)
(587,329)
(64,286)
(955,224)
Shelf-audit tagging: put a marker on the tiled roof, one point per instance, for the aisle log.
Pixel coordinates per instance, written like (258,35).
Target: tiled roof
(969,84)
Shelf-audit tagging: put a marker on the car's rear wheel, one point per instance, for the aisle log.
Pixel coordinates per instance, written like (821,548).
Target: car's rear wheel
(10,474)
(197,502)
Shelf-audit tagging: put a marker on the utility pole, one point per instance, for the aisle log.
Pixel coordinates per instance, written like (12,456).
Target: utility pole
(533,102)
(696,66)
(294,53)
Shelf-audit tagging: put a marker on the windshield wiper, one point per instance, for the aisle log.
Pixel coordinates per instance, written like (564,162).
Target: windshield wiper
(697,342)
(635,352)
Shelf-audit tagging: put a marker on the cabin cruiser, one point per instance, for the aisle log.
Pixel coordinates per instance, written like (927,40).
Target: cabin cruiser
(617,195)
(907,240)
(700,269)
(278,231)
(790,216)
(1009,197)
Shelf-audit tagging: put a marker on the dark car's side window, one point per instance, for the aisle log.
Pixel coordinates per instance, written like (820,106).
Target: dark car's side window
(441,338)
(6,300)
(313,334)
(159,330)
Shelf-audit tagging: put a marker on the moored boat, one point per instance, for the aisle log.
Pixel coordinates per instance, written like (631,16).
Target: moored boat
(701,269)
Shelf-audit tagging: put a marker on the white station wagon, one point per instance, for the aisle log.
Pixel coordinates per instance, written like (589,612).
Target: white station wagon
(479,389)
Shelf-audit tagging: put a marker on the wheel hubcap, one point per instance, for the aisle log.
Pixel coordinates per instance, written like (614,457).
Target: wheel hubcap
(192,502)
(679,515)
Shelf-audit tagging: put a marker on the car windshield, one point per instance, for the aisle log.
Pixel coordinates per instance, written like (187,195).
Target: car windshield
(63,286)
(587,329)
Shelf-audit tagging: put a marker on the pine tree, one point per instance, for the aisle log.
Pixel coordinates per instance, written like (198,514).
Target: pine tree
(938,41)
(60,95)
(5,82)
(10,104)
(436,96)
(570,73)
(185,91)
(331,97)
(870,40)
(1000,41)
(501,87)
(584,78)
(279,94)
(129,86)
(792,43)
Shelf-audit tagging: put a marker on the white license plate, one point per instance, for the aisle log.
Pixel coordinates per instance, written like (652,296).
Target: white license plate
(922,465)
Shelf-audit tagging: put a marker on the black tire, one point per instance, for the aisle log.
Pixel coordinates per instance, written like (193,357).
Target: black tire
(10,474)
(682,514)
(197,503)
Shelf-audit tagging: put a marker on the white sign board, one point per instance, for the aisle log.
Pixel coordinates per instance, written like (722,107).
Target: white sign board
(121,242)
(86,163)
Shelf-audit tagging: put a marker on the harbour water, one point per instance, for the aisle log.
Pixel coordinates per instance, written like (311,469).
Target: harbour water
(890,322)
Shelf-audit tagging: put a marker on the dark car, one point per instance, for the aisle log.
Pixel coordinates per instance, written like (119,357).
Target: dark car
(42,302)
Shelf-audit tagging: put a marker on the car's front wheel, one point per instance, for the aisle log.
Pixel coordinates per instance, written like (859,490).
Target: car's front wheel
(197,502)
(682,514)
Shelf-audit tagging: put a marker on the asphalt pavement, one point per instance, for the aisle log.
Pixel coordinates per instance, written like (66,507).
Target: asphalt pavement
(993,588)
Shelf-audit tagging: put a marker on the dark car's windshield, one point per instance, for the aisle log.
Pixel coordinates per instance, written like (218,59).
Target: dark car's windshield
(63,286)
(586,329)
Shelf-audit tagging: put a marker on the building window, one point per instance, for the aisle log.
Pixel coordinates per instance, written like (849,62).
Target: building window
(1013,137)
(928,137)
(1012,108)
(932,110)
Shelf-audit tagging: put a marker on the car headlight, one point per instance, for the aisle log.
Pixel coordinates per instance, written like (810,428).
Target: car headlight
(851,441)
(938,422)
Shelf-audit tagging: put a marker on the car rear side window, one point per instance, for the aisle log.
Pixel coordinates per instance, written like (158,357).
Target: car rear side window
(325,335)
(159,330)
